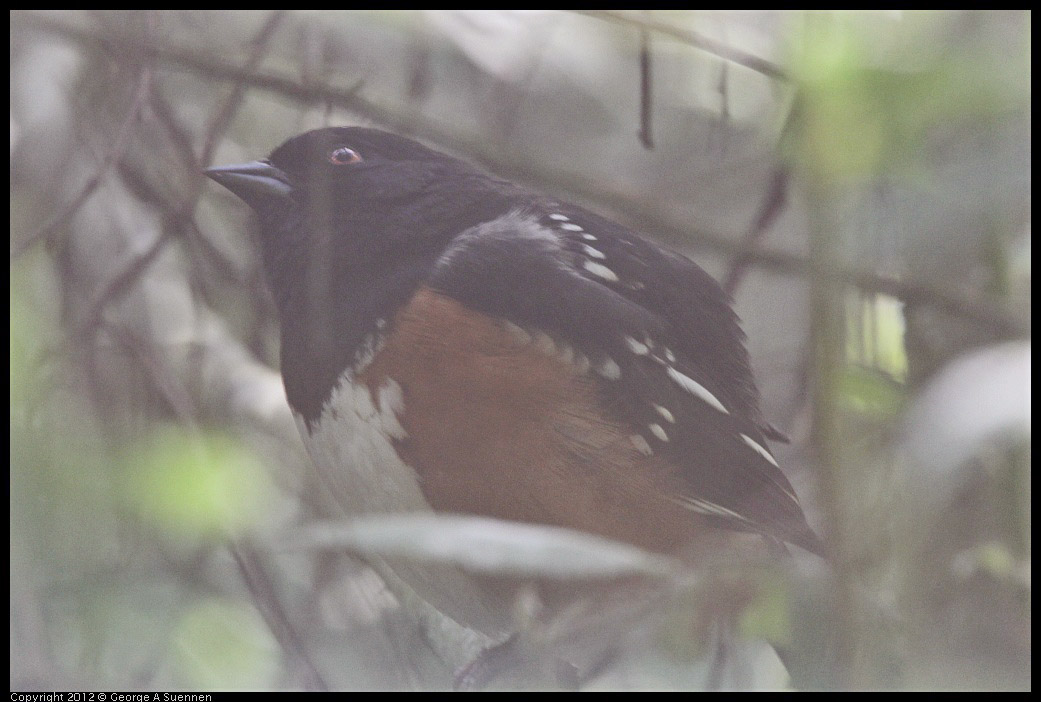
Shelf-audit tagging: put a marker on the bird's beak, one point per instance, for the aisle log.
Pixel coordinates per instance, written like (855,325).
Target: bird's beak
(258,183)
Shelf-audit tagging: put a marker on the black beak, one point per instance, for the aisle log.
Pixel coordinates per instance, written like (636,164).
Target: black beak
(258,183)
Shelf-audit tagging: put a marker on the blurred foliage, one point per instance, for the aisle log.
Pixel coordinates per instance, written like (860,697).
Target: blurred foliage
(195,487)
(156,471)
(873,86)
(225,645)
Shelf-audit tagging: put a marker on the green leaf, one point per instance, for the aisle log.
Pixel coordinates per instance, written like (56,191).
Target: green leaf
(225,645)
(870,392)
(197,486)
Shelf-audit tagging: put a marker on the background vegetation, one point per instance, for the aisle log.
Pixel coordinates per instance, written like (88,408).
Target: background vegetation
(858,181)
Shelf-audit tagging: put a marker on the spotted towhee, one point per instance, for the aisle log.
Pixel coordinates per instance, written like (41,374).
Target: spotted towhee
(453,341)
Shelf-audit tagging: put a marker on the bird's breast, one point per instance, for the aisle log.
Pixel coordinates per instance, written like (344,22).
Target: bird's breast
(353,446)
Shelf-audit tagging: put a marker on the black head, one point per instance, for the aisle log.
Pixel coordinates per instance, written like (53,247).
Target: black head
(352,220)
(355,166)
(349,152)
(324,157)
(362,195)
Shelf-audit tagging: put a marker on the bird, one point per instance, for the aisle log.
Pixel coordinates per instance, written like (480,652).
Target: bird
(454,342)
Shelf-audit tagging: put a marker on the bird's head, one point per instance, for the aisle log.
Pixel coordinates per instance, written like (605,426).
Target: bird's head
(351,220)
(366,179)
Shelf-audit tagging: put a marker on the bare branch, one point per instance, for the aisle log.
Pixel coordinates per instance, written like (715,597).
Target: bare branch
(646,137)
(776,198)
(650,216)
(266,599)
(113,155)
(223,116)
(698,41)
(120,282)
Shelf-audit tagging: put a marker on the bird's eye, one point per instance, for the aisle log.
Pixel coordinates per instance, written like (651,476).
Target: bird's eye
(342,156)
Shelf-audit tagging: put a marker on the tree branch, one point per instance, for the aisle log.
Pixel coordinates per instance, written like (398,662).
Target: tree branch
(692,38)
(638,210)
(112,156)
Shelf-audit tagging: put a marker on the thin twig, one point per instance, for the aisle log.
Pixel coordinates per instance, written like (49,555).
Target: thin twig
(831,458)
(178,212)
(288,86)
(181,137)
(113,155)
(182,210)
(223,116)
(650,215)
(670,224)
(164,380)
(687,36)
(723,87)
(771,208)
(117,285)
(646,138)
(267,602)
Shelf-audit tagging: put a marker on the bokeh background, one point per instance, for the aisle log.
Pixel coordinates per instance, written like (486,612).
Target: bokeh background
(859,182)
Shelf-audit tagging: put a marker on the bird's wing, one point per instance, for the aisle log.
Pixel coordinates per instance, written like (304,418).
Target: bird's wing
(662,338)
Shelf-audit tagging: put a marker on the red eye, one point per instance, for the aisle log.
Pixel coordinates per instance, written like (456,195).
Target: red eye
(342,155)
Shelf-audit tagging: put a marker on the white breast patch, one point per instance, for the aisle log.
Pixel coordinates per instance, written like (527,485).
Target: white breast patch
(352,446)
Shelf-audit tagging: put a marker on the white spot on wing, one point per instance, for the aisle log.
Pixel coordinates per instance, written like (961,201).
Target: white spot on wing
(593,253)
(670,356)
(641,445)
(565,353)
(658,432)
(665,414)
(759,449)
(695,388)
(519,335)
(609,369)
(636,347)
(600,271)
(695,504)
(545,344)
(558,217)
(588,237)
(570,227)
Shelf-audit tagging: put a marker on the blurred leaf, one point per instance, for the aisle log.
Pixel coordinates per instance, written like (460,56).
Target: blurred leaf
(871,86)
(979,397)
(63,508)
(768,616)
(891,353)
(197,487)
(994,559)
(869,392)
(486,546)
(33,325)
(550,98)
(225,645)
(21,346)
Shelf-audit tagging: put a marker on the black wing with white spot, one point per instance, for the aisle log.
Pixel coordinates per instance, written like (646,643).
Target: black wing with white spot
(661,334)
